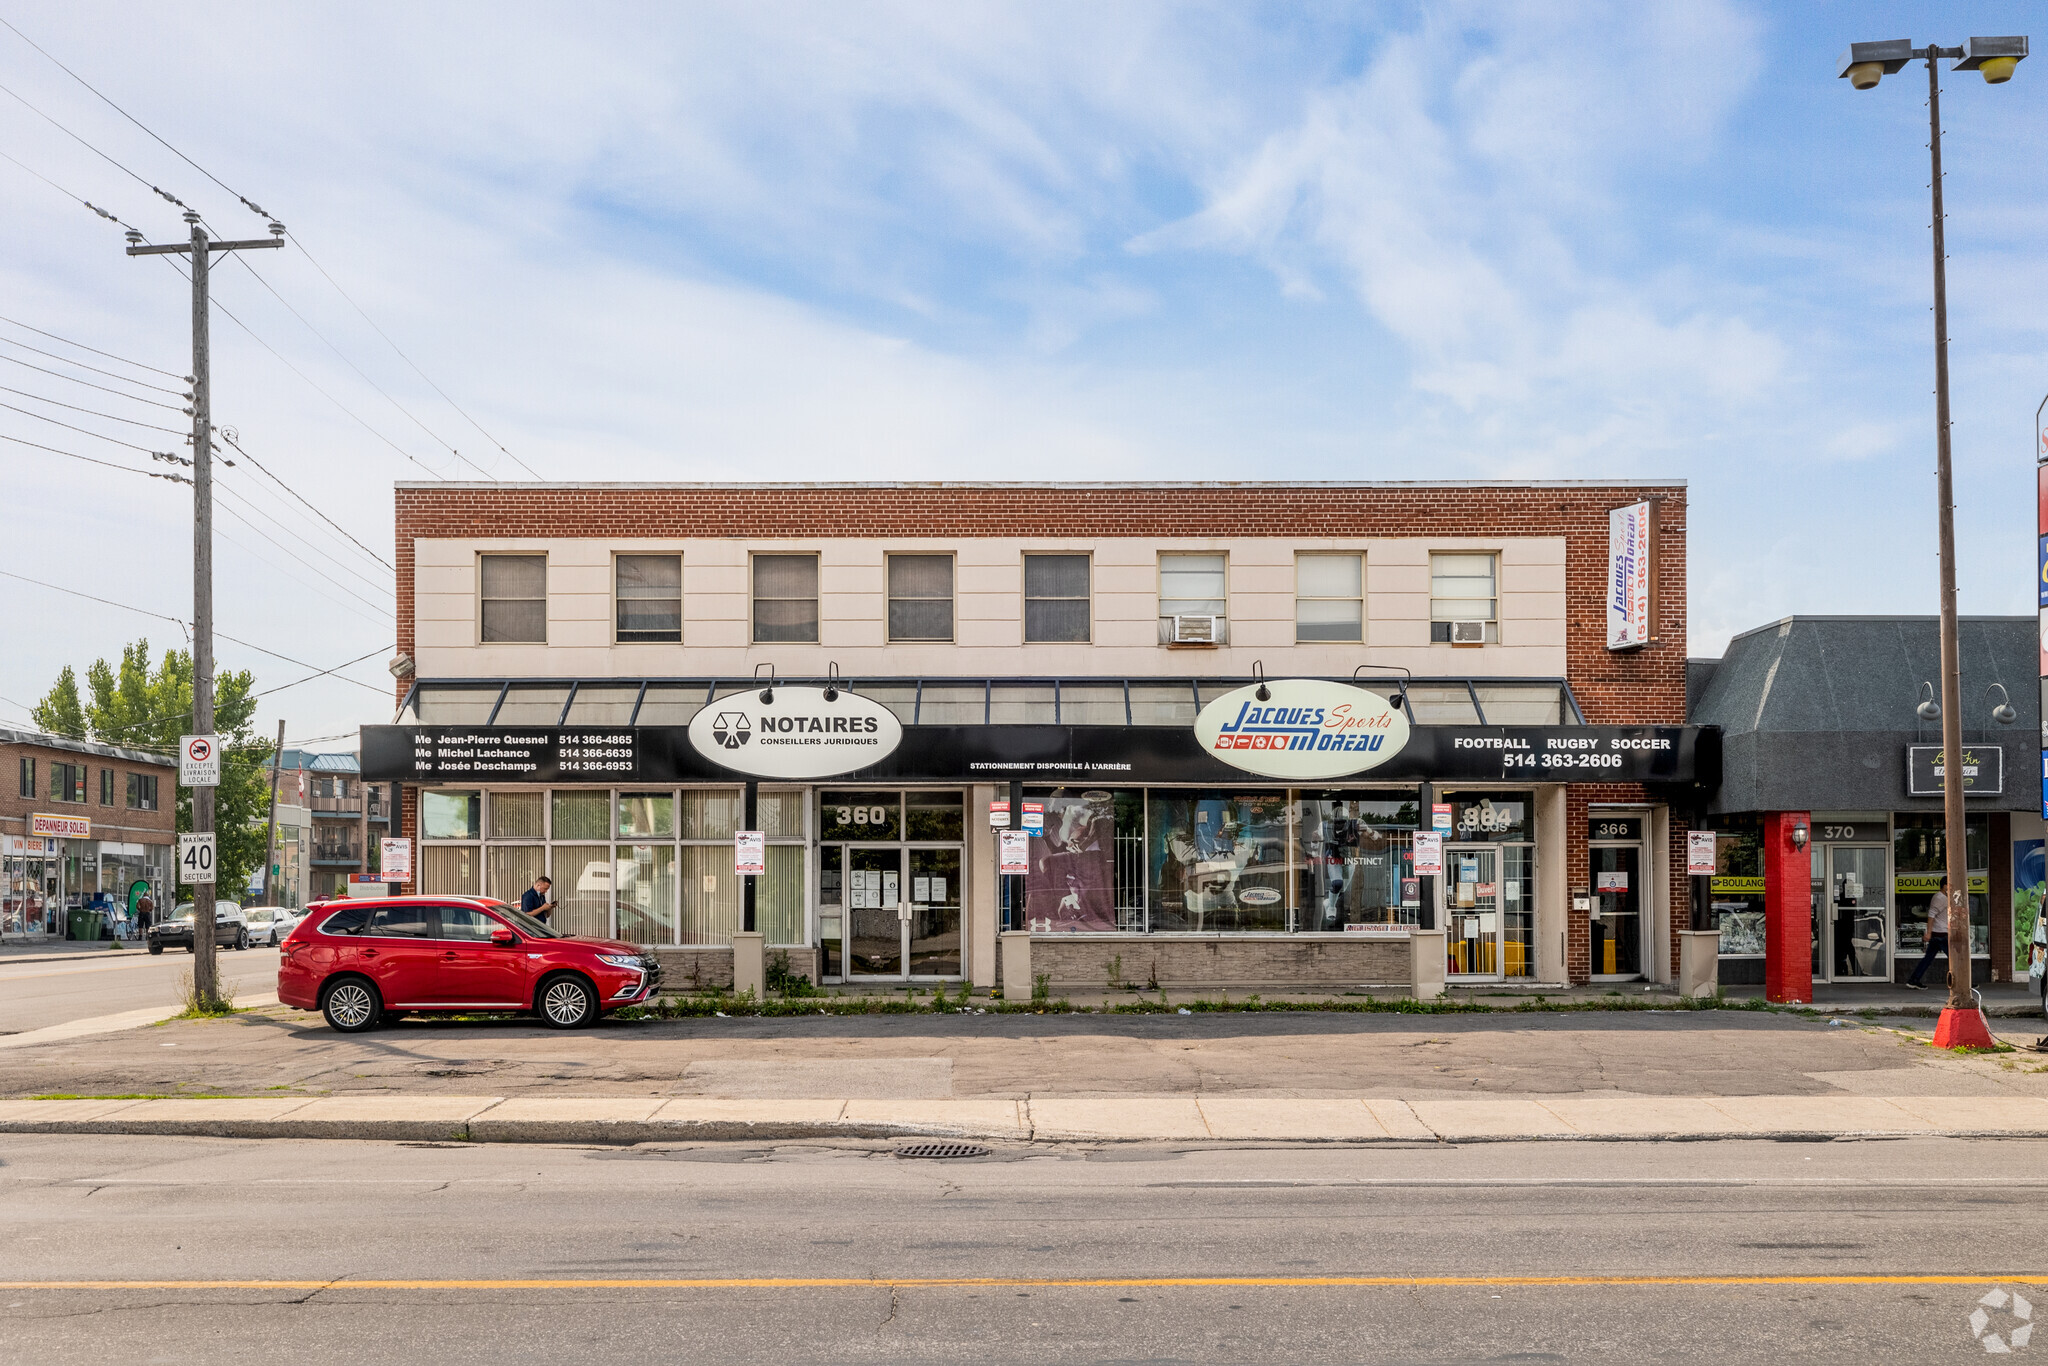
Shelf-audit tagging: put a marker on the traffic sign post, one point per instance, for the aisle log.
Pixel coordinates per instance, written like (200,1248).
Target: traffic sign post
(195,860)
(199,761)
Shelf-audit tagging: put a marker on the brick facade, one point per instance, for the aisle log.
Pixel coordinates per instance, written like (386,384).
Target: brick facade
(115,822)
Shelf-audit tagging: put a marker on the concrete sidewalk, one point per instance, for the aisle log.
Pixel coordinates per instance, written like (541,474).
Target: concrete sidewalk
(1179,1119)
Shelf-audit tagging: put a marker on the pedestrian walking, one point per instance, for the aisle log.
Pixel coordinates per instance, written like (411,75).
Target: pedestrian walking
(145,915)
(1939,917)
(536,900)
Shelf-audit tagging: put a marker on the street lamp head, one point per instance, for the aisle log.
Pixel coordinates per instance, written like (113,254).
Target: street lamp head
(1995,57)
(1865,63)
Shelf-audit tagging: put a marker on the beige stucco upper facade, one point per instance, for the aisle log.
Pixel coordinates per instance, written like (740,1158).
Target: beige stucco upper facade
(988,611)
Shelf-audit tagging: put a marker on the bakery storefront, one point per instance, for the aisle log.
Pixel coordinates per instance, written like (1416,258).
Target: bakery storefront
(1178,833)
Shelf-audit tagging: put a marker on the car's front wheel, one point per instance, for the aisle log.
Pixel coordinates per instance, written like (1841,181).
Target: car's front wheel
(351,1005)
(155,947)
(567,1002)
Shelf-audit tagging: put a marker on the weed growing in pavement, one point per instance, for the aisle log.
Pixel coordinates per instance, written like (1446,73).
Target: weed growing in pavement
(1041,988)
(223,1002)
(784,983)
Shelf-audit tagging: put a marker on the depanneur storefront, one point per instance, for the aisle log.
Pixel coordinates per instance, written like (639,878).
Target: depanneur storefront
(1313,834)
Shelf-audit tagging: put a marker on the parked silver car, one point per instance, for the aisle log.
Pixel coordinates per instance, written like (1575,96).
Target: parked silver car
(270,924)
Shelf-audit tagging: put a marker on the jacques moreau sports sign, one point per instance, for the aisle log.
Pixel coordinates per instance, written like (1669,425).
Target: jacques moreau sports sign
(1303,728)
(1628,576)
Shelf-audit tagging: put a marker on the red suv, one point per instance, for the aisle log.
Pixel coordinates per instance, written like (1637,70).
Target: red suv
(363,962)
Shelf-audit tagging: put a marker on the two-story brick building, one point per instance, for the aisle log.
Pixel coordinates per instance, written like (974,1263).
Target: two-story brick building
(1235,706)
(79,819)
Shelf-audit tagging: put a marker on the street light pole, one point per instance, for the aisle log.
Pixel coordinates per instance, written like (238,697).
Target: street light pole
(1864,65)
(1953,818)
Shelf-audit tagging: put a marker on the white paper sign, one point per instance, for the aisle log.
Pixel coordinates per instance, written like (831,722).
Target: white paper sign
(1013,853)
(938,891)
(1699,853)
(199,762)
(921,890)
(195,860)
(1610,882)
(1429,854)
(394,859)
(749,853)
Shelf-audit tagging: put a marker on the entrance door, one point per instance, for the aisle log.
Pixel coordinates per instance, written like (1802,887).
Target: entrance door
(1471,907)
(931,942)
(874,912)
(1859,920)
(1617,923)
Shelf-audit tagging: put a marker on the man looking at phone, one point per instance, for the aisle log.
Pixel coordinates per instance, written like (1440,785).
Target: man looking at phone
(536,902)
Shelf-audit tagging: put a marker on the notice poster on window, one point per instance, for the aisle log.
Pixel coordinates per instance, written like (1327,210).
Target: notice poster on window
(1429,854)
(749,853)
(1610,882)
(1013,853)
(1700,852)
(1071,881)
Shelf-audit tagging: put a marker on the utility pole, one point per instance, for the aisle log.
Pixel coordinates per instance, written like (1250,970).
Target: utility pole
(1958,860)
(205,969)
(270,834)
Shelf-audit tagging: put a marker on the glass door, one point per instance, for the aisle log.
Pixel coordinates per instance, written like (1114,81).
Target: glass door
(874,912)
(932,932)
(1859,919)
(1617,922)
(1472,914)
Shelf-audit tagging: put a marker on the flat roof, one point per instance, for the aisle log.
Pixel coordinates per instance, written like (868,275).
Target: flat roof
(556,485)
(14,735)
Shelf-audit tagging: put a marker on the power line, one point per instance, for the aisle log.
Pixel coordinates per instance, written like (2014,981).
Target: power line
(359,371)
(58,374)
(110,217)
(92,412)
(288,550)
(72,455)
(257,209)
(237,445)
(138,179)
(322,674)
(259,555)
(177,622)
(110,374)
(81,346)
(86,431)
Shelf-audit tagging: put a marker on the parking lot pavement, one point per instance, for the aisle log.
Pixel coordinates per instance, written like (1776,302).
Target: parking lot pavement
(950,1056)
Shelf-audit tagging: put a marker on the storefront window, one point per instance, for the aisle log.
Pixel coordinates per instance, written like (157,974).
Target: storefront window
(860,817)
(1355,863)
(645,878)
(712,814)
(779,900)
(711,895)
(1218,861)
(644,814)
(582,885)
(1087,868)
(1736,891)
(448,815)
(934,815)
(517,815)
(509,869)
(449,870)
(581,816)
(1919,858)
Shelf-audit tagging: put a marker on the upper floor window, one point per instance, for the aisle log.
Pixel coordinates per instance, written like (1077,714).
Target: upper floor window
(1329,597)
(67,782)
(142,791)
(920,597)
(515,598)
(649,593)
(1193,598)
(1056,598)
(28,777)
(1464,588)
(106,787)
(785,598)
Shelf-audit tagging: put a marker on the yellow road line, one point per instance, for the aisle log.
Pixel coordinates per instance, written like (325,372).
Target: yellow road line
(1029,1282)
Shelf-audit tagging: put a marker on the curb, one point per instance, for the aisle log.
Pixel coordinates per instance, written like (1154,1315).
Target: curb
(615,1133)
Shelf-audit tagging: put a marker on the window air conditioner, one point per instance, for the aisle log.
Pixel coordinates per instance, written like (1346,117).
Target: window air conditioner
(1468,633)
(1195,630)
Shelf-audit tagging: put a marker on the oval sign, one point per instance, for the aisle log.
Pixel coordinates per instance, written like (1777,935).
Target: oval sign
(1259,896)
(1306,728)
(798,735)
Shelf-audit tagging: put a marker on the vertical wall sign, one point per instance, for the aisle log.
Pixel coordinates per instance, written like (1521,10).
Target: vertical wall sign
(1628,576)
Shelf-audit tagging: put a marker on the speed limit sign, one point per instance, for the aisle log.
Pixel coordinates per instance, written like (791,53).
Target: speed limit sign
(195,860)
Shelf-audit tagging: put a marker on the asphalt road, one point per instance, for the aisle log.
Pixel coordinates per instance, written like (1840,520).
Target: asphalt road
(1116,1254)
(47,992)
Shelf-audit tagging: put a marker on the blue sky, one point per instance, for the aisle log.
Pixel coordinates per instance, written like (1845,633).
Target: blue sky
(1039,241)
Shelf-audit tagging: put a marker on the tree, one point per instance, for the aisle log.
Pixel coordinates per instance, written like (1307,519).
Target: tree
(60,712)
(130,704)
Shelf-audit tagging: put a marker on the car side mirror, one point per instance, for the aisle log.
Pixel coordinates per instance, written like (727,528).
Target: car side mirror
(505,938)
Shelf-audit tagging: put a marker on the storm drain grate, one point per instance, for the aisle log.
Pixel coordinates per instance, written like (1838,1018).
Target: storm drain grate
(942,1150)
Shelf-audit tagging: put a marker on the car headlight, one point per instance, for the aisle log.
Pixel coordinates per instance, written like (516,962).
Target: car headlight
(621,960)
